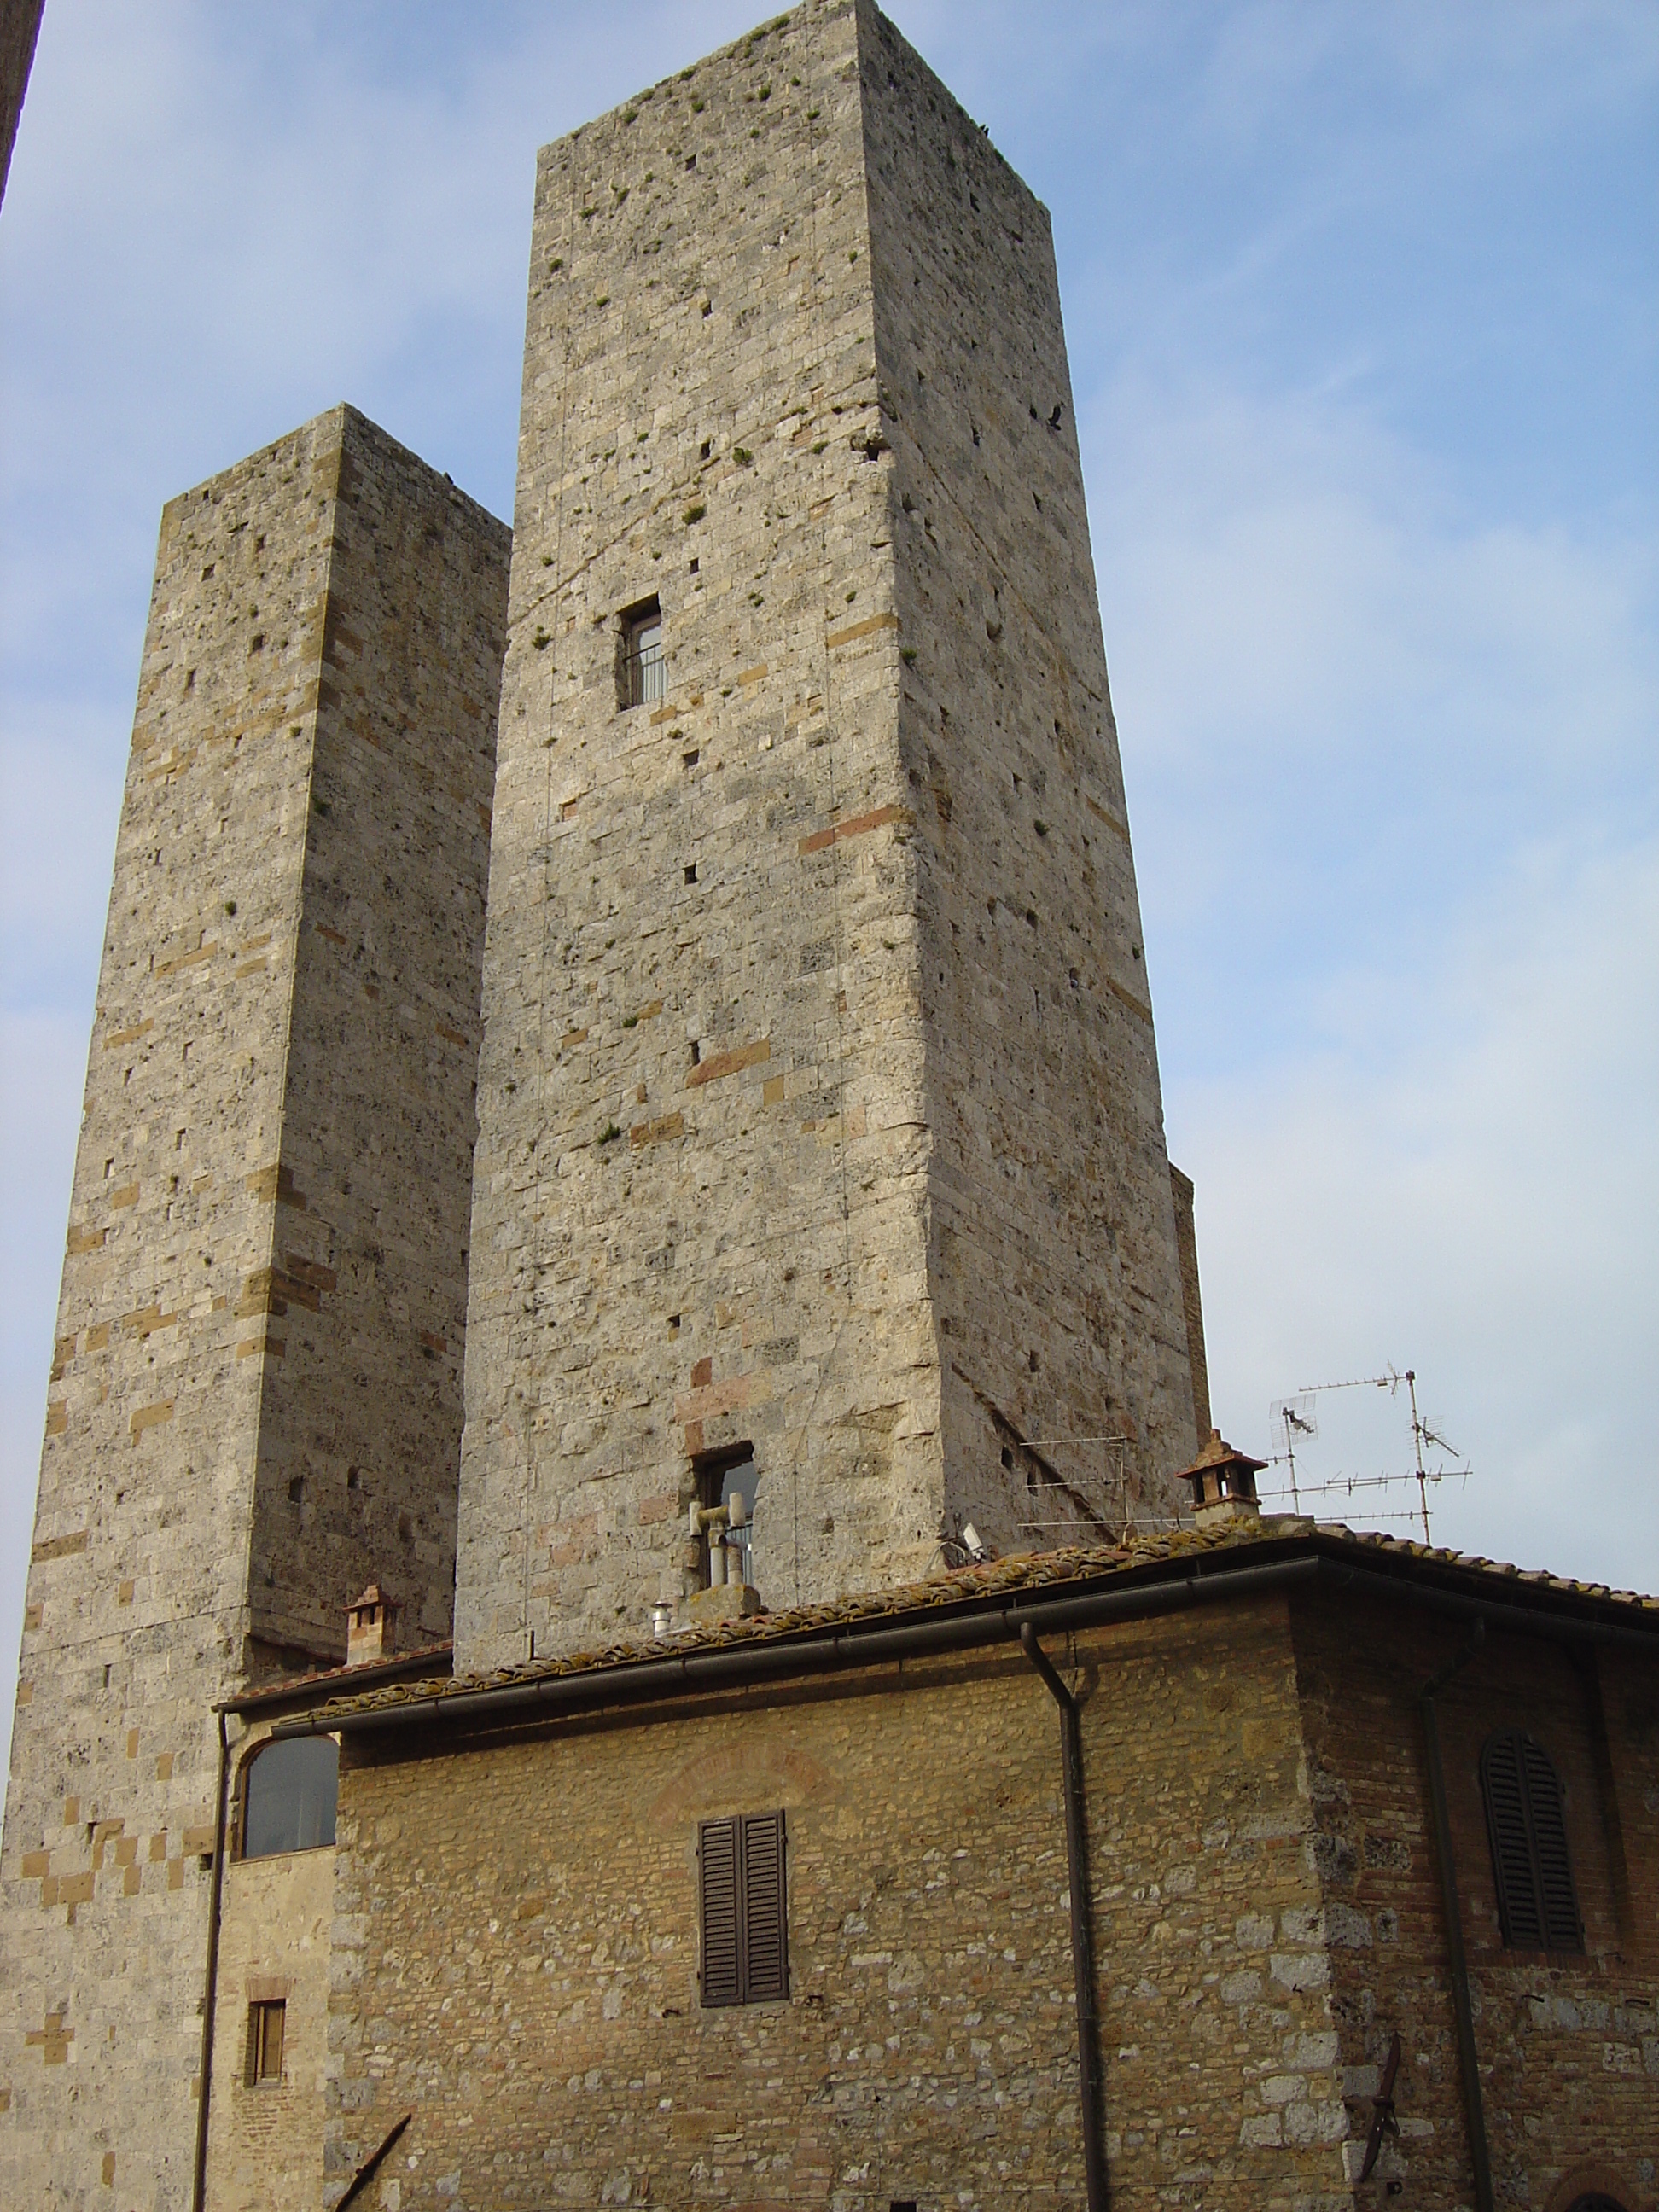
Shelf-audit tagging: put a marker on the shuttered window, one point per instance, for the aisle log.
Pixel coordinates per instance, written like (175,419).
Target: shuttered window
(745,1952)
(1536,1904)
(266,2022)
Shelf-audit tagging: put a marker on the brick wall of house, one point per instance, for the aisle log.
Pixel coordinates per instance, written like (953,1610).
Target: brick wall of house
(1568,2045)
(516,1955)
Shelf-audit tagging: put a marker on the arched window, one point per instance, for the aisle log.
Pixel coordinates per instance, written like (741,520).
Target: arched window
(289,1797)
(1536,1904)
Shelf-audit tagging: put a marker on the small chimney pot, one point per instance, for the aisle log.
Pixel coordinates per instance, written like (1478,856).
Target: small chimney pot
(370,1621)
(1223,1482)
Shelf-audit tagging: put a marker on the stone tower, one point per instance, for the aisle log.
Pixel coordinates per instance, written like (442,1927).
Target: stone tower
(255,1400)
(819,1105)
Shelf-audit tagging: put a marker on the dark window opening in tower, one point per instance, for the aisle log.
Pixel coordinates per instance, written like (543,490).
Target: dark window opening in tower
(644,671)
(727,1483)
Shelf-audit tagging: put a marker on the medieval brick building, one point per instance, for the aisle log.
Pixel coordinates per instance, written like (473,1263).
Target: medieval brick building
(624,1114)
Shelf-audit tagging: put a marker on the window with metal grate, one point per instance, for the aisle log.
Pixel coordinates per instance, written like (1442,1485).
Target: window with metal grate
(1537,1905)
(745,1952)
(642,672)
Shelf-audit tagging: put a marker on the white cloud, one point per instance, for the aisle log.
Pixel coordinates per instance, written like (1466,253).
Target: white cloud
(1473,1191)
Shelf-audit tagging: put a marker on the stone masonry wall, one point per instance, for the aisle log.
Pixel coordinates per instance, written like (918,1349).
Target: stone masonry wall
(742,1111)
(18,32)
(359,1423)
(1191,1299)
(516,1951)
(192,1268)
(265,2138)
(700,1195)
(1053,1260)
(1568,2045)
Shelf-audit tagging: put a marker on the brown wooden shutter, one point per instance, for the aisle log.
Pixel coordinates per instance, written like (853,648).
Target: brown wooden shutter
(717,1863)
(744,1944)
(765,1934)
(1537,1907)
(1557,1903)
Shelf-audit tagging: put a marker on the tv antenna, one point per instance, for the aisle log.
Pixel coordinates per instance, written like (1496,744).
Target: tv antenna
(1297,1416)
(1292,1418)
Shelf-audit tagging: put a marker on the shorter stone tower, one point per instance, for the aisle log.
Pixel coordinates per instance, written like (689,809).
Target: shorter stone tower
(255,1404)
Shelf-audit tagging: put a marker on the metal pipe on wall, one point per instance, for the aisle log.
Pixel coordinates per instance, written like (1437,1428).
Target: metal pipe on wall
(1474,2110)
(1077,1876)
(210,1994)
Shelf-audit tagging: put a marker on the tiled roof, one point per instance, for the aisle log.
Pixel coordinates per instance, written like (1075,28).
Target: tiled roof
(1047,1572)
(428,1662)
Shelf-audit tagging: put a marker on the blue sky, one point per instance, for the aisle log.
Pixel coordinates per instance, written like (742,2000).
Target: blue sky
(1361,305)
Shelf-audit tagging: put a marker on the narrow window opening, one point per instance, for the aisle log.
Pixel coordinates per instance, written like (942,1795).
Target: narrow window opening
(691,759)
(643,667)
(696,1052)
(267,2023)
(690,871)
(727,1483)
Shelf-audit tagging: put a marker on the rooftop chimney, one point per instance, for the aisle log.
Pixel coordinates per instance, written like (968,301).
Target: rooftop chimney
(369,1623)
(1223,1483)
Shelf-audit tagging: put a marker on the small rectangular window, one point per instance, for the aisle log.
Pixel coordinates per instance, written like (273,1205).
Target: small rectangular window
(644,668)
(728,1538)
(266,2022)
(746,1950)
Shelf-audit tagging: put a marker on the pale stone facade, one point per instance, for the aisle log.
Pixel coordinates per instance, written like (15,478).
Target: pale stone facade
(819,1102)
(255,1403)
(265,2144)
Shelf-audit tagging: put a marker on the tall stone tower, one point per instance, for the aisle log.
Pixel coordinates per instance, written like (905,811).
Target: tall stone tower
(819,1110)
(255,1405)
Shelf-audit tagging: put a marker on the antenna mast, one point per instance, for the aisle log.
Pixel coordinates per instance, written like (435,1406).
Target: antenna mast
(1298,1417)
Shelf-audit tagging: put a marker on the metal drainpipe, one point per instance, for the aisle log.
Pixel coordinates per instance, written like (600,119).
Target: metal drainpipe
(198,2193)
(1474,2111)
(1083,1965)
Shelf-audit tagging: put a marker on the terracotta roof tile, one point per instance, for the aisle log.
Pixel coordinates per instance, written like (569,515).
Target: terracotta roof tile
(1028,1571)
